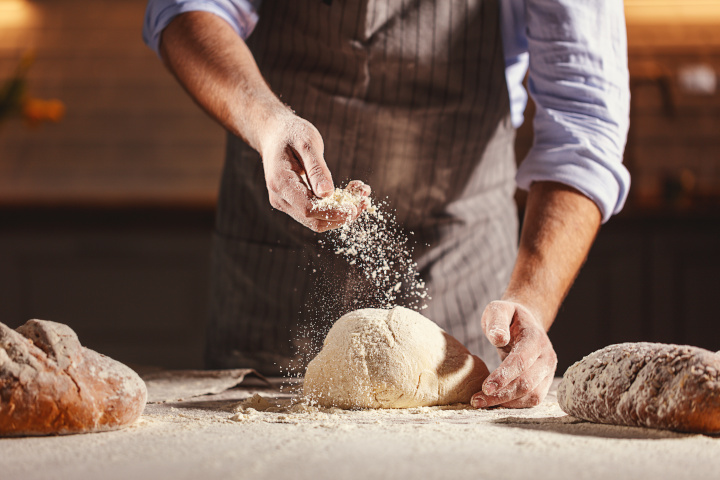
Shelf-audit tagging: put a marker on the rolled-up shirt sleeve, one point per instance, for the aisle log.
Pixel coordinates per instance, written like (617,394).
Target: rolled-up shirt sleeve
(578,78)
(240,14)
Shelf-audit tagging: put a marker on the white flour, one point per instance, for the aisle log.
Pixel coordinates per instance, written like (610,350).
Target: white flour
(259,409)
(379,248)
(343,200)
(366,263)
(200,439)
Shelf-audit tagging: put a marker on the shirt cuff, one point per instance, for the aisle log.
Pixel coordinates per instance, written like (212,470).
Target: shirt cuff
(240,14)
(578,167)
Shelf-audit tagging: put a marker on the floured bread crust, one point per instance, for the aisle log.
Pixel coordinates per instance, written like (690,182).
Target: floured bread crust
(654,385)
(397,358)
(52,385)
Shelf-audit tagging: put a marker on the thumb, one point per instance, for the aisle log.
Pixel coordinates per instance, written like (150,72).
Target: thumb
(496,321)
(318,174)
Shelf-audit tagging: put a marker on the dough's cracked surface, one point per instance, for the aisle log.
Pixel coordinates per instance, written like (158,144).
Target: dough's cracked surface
(396,358)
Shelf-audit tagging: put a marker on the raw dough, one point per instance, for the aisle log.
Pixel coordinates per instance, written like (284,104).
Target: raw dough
(378,358)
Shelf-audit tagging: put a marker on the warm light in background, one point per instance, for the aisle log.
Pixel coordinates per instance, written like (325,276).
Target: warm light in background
(17,13)
(673,11)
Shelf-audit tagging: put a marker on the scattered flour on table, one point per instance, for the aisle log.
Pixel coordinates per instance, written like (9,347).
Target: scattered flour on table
(258,409)
(199,440)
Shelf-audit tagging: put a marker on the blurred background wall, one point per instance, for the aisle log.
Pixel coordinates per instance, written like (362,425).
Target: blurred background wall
(105,217)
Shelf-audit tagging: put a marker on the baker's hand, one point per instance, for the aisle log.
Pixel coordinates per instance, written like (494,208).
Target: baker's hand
(528,360)
(292,148)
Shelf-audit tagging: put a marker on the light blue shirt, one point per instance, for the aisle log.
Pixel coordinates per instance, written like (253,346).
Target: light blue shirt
(575,55)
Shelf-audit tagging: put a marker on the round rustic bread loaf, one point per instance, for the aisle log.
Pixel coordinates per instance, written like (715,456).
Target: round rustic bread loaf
(675,387)
(52,385)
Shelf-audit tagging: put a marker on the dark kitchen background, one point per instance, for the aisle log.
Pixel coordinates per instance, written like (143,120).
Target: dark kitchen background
(105,216)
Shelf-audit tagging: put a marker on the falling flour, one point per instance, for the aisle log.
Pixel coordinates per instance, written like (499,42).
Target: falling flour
(370,266)
(378,247)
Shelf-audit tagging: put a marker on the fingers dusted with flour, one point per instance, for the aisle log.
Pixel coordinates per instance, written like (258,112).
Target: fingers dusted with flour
(529,361)
(357,187)
(362,191)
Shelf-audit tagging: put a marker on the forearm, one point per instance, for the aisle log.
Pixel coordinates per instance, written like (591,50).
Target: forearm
(559,228)
(219,72)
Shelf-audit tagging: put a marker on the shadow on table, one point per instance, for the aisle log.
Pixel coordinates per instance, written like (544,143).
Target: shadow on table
(568,425)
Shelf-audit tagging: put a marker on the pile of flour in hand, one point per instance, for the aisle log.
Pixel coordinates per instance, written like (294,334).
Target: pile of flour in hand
(378,247)
(344,200)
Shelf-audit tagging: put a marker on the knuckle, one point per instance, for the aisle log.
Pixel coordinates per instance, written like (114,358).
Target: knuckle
(493,315)
(306,146)
(495,306)
(316,225)
(272,185)
(519,364)
(533,399)
(306,136)
(523,387)
(316,171)
(354,187)
(553,359)
(496,335)
(314,134)
(308,213)
(275,202)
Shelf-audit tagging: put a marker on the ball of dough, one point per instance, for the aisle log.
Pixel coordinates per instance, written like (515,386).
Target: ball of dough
(378,358)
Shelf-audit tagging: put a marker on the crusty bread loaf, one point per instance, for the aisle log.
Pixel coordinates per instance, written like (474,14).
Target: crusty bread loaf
(675,387)
(50,384)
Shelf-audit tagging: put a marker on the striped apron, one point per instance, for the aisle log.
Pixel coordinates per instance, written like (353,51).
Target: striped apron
(410,97)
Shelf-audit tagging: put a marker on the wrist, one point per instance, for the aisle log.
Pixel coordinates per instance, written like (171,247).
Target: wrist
(258,123)
(540,311)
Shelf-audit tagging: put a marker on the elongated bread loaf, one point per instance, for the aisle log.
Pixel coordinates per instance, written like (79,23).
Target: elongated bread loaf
(51,385)
(675,387)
